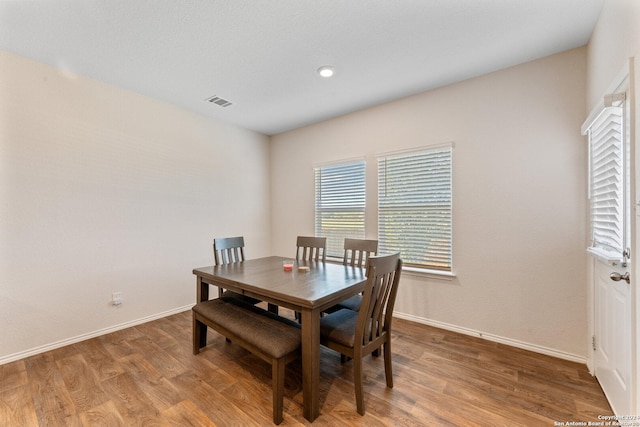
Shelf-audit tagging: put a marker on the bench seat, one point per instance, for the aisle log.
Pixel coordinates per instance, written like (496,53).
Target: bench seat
(273,338)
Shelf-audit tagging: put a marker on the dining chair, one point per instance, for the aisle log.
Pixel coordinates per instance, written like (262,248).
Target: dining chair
(356,254)
(229,250)
(311,248)
(357,334)
(358,251)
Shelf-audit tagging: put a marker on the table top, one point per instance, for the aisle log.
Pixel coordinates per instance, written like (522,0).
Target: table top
(323,285)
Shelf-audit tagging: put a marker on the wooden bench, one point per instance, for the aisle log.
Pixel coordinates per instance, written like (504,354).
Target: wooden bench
(273,338)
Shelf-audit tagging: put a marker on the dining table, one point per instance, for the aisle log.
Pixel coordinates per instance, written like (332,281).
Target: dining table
(309,288)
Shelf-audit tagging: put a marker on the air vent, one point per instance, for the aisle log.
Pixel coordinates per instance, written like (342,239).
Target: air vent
(215,99)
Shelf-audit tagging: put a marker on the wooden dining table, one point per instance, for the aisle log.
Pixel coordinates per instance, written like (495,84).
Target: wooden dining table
(308,292)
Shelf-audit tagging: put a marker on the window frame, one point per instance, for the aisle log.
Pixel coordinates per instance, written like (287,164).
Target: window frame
(335,249)
(618,99)
(430,267)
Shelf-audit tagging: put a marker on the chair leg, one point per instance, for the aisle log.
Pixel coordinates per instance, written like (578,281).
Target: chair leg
(272,308)
(388,374)
(277,375)
(344,359)
(357,381)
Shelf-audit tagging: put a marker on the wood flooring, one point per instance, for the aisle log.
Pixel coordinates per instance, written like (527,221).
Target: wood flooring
(147,376)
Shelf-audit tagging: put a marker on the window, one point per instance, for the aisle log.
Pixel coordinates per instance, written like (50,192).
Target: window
(608,180)
(340,204)
(414,207)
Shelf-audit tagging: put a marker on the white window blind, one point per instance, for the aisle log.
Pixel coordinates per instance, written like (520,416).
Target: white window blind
(607,188)
(340,204)
(414,207)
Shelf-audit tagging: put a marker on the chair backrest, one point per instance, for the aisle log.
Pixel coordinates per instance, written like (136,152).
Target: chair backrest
(311,248)
(379,297)
(228,250)
(358,251)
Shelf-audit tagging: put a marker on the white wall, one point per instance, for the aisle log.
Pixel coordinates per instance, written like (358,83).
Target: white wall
(615,39)
(104,190)
(519,198)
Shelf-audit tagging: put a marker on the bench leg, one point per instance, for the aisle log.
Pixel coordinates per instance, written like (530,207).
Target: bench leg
(197,331)
(277,375)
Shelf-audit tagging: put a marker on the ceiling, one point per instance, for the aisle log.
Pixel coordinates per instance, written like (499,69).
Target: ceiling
(262,55)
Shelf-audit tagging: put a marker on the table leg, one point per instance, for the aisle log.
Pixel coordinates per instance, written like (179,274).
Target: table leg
(311,363)
(202,290)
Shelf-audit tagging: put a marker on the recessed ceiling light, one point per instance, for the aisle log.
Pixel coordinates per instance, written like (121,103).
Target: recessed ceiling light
(326,71)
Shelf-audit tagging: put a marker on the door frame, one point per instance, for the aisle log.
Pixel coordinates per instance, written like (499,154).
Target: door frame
(628,72)
(635,240)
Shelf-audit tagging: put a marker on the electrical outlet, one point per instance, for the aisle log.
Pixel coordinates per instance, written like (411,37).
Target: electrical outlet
(116,298)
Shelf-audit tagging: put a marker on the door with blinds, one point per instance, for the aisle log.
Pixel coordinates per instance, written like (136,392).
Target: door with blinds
(608,129)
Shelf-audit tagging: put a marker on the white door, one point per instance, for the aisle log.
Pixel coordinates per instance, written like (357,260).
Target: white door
(613,171)
(612,360)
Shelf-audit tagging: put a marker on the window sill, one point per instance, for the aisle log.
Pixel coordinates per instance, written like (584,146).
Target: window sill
(425,272)
(414,271)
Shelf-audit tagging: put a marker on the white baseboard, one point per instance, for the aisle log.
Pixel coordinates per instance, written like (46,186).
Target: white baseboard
(495,338)
(78,338)
(466,331)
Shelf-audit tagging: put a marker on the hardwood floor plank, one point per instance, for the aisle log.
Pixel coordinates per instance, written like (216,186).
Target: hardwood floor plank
(482,402)
(135,408)
(481,389)
(96,355)
(345,413)
(13,375)
(213,403)
(51,397)
(17,407)
(160,390)
(104,415)
(54,405)
(415,379)
(158,357)
(591,410)
(185,413)
(80,380)
(208,371)
(485,383)
(156,332)
(443,350)
(585,393)
(147,375)
(117,343)
(43,372)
